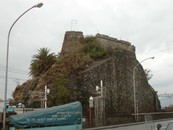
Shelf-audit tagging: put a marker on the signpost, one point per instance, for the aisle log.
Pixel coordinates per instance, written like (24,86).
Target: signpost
(91,105)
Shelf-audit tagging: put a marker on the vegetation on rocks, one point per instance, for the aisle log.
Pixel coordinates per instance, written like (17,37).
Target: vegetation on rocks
(60,73)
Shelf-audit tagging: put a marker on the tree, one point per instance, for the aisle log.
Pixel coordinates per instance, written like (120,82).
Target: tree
(41,62)
(148,74)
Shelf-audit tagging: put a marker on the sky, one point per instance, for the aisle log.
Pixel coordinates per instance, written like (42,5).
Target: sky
(146,24)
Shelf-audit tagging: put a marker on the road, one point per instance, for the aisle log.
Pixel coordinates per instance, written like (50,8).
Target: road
(140,126)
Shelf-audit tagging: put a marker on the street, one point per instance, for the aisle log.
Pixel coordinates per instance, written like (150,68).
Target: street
(140,126)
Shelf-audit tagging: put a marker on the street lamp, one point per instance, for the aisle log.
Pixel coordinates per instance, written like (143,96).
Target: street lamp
(39,5)
(134,87)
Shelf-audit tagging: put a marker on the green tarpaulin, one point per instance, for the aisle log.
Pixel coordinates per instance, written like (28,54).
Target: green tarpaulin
(68,114)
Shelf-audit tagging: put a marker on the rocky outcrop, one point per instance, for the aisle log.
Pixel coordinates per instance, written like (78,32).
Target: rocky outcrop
(116,72)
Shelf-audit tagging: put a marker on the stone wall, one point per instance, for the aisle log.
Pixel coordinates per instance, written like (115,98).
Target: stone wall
(116,74)
(71,39)
(113,43)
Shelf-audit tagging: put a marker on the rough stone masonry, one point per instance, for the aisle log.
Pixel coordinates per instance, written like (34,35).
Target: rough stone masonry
(116,72)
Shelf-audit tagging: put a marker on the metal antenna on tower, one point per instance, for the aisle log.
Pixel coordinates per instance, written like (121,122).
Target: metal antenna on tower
(72,23)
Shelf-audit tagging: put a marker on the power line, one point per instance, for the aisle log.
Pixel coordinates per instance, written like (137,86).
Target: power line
(23,73)
(14,71)
(12,78)
(9,84)
(8,90)
(2,67)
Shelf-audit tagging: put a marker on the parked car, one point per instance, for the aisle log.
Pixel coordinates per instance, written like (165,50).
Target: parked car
(20,105)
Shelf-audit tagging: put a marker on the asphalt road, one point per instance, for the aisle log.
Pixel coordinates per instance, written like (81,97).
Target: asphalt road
(140,126)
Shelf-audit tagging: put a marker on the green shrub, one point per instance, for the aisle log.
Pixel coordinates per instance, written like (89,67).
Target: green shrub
(93,48)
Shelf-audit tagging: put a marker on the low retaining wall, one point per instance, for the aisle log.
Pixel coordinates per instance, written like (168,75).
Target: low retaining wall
(126,119)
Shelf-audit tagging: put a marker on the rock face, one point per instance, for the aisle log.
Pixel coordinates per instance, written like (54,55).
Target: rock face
(116,73)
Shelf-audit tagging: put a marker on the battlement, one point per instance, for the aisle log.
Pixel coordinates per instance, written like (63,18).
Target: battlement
(113,43)
(72,38)
(73,34)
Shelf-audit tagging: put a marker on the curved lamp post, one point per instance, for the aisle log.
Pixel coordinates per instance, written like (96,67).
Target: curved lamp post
(134,87)
(39,5)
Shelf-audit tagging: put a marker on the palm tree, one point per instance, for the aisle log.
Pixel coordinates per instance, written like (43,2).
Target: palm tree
(41,62)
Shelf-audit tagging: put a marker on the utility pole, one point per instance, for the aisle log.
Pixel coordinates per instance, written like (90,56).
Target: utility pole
(47,91)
